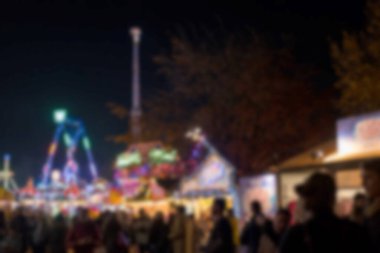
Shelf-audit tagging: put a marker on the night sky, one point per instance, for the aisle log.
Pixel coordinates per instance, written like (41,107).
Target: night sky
(76,55)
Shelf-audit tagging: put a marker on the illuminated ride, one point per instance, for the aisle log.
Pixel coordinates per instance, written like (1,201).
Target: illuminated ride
(73,134)
(148,171)
(152,171)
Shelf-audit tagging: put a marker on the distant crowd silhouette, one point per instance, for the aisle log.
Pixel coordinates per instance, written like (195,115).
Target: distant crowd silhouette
(317,230)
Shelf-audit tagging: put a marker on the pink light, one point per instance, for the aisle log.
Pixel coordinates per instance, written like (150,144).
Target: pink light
(46,169)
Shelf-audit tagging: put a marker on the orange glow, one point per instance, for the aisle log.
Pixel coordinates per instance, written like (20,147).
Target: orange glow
(52,148)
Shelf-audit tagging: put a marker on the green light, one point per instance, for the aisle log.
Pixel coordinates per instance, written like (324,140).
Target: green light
(128,159)
(60,115)
(159,155)
(170,156)
(156,153)
(86,143)
(67,139)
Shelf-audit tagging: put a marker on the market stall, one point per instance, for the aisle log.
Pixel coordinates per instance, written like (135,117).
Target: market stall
(357,141)
(213,177)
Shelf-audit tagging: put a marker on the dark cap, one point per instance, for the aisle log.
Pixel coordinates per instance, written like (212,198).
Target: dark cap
(318,184)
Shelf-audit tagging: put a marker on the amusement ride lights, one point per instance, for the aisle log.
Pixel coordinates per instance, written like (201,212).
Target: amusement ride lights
(73,132)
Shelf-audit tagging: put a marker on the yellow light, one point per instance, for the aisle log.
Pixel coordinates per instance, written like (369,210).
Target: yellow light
(52,148)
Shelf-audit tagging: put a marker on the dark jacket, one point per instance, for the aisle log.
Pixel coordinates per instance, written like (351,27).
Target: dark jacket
(324,234)
(221,239)
(253,231)
(84,237)
(57,238)
(158,238)
(20,225)
(373,228)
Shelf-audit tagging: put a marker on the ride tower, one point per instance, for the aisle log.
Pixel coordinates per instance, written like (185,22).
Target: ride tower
(136,111)
(73,133)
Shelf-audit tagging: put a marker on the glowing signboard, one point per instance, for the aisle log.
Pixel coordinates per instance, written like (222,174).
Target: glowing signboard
(359,134)
(128,159)
(260,188)
(159,155)
(214,174)
(214,169)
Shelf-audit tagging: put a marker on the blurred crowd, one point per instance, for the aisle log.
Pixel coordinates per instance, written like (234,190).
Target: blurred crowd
(33,231)
(316,229)
(30,230)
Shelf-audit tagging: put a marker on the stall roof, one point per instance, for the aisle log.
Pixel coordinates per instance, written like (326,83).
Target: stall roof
(357,140)
(336,157)
(325,155)
(311,158)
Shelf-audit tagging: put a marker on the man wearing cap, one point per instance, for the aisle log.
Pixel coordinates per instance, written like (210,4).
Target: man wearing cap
(371,181)
(324,231)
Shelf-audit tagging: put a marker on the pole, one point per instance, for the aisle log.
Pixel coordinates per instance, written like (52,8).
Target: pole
(136,107)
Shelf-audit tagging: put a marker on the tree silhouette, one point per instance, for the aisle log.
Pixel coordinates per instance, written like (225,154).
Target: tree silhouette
(357,62)
(255,103)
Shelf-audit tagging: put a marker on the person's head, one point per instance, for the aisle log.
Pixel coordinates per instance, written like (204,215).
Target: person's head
(256,207)
(318,193)
(172,208)
(112,223)
(142,213)
(104,216)
(282,220)
(231,213)
(218,207)
(39,216)
(371,178)
(82,215)
(360,200)
(120,216)
(19,211)
(59,220)
(359,205)
(159,216)
(180,210)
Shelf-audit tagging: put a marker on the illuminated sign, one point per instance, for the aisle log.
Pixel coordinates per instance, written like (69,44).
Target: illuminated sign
(260,188)
(359,134)
(159,155)
(128,159)
(213,175)
(214,169)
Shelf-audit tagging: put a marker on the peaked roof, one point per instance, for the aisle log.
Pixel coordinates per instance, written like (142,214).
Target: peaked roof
(212,177)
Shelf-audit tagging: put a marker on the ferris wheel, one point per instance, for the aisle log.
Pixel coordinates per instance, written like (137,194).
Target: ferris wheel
(73,134)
